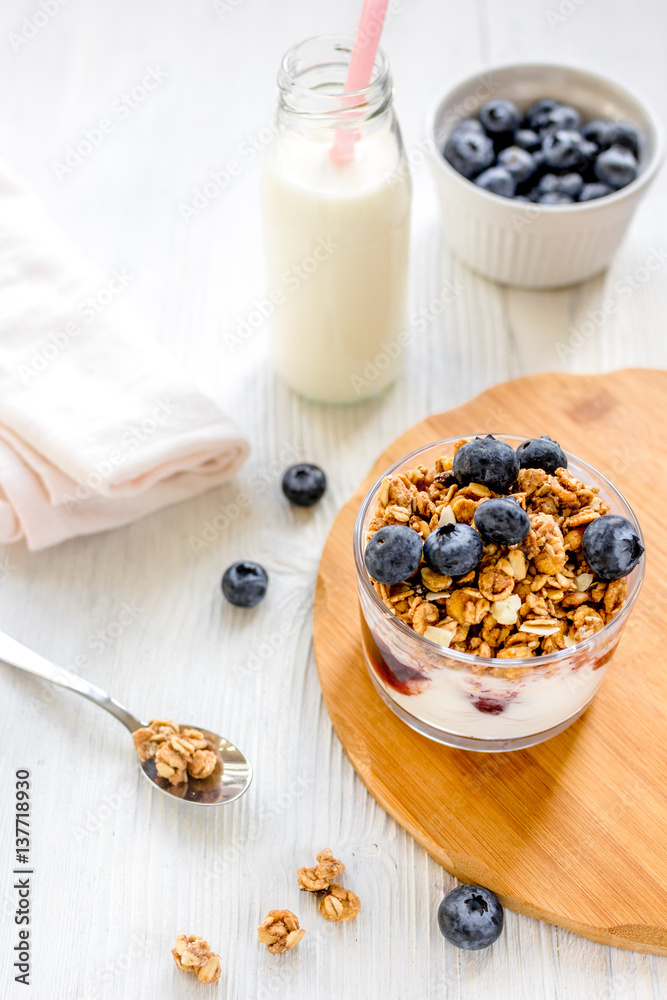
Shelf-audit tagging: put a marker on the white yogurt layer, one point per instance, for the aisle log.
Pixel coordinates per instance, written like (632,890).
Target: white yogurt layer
(531,704)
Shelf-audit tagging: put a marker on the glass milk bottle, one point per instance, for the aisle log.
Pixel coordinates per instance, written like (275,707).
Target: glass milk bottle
(336,233)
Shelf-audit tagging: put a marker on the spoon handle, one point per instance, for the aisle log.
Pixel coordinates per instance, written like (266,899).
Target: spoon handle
(20,656)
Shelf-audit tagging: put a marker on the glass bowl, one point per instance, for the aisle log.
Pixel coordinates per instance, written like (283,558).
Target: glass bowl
(483,703)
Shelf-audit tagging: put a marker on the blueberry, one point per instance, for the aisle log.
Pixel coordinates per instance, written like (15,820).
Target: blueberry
(502,520)
(540,165)
(453,549)
(564,150)
(626,135)
(588,150)
(600,132)
(304,484)
(497,180)
(487,461)
(470,917)
(500,115)
(469,152)
(468,125)
(616,167)
(611,547)
(518,161)
(393,553)
(555,198)
(541,453)
(527,139)
(560,117)
(596,190)
(244,584)
(537,113)
(569,184)
(548,182)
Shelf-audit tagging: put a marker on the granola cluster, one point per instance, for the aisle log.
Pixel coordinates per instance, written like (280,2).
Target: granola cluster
(335,902)
(521,600)
(280,931)
(193,954)
(178,750)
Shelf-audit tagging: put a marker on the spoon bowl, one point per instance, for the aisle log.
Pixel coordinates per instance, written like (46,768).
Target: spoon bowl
(233,771)
(229,780)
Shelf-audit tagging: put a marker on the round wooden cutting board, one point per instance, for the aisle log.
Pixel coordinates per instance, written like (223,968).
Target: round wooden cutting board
(573,831)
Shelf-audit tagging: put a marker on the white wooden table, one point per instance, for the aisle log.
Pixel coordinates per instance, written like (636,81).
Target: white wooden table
(120,871)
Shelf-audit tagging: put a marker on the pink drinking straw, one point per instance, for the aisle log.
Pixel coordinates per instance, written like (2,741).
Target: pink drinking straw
(360,69)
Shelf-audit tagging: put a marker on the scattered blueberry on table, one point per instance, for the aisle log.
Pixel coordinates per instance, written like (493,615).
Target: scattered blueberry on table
(393,553)
(244,584)
(304,484)
(470,917)
(545,155)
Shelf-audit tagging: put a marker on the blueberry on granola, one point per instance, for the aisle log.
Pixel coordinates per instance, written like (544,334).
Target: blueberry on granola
(393,554)
(611,546)
(453,549)
(304,484)
(470,917)
(502,520)
(244,584)
(487,461)
(542,453)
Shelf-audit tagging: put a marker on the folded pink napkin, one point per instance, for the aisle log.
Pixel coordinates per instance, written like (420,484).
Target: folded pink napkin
(98,426)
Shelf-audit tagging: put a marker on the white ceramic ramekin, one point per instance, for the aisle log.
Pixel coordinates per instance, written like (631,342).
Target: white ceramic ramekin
(520,243)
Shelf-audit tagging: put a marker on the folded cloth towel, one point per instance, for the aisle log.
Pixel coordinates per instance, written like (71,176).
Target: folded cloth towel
(98,426)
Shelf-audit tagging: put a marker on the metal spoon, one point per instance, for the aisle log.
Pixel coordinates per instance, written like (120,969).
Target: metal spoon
(231,777)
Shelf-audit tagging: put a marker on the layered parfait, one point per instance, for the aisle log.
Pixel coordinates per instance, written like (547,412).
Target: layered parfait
(495,578)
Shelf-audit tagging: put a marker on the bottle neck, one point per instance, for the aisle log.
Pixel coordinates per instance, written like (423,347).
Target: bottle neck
(311,85)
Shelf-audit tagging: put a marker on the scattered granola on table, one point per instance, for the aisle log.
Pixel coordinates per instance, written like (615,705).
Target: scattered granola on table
(280,931)
(335,902)
(339,904)
(178,750)
(321,876)
(193,954)
(532,597)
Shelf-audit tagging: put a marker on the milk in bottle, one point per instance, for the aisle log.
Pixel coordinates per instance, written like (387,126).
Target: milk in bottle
(336,234)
